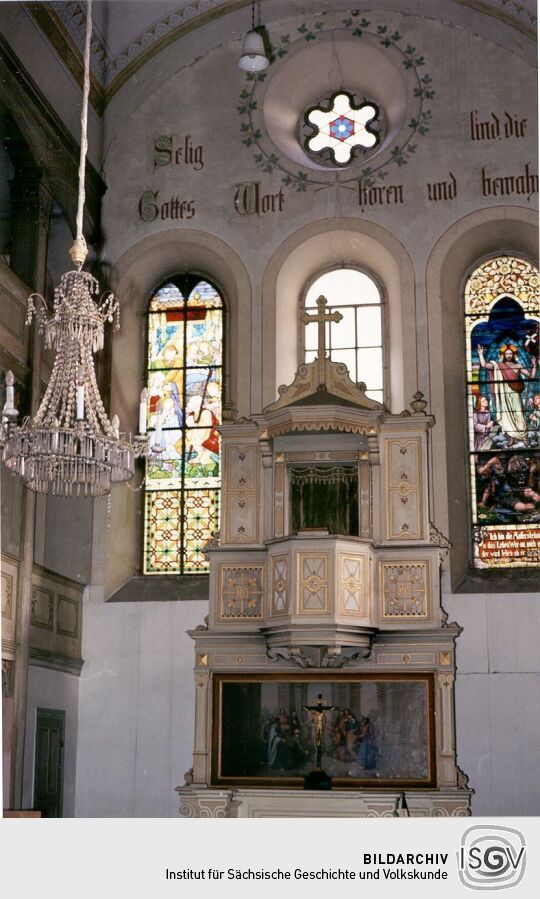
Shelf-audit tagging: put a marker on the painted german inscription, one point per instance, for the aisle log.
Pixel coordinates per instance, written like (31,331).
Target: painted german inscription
(250,198)
(521,183)
(368,195)
(442,190)
(174,208)
(177,151)
(496,127)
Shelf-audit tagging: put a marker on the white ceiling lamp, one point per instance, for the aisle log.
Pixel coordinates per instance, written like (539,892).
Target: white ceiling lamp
(70,446)
(254,58)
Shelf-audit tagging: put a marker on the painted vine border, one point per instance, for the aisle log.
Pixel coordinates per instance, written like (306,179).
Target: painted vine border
(419,125)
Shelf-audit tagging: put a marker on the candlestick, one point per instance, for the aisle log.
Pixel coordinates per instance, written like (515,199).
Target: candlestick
(142,411)
(80,394)
(55,435)
(9,410)
(158,433)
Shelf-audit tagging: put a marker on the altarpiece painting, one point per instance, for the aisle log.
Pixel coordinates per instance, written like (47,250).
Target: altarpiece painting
(378,729)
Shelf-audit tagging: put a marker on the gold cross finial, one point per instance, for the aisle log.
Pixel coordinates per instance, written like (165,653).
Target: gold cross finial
(322,317)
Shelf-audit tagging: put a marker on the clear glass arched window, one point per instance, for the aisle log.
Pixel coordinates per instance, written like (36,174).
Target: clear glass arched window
(356,340)
(185,389)
(503,396)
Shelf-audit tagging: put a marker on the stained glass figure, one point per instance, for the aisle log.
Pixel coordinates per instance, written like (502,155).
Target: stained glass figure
(185,348)
(503,386)
(356,339)
(340,126)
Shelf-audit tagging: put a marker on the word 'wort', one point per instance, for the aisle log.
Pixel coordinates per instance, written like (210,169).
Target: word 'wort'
(249,199)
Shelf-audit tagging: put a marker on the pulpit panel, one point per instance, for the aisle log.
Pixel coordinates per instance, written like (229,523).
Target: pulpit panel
(404,590)
(313,584)
(241,592)
(352,586)
(404,495)
(240,519)
(280,587)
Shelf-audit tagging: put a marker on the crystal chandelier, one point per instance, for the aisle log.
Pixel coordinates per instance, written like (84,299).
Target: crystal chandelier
(70,446)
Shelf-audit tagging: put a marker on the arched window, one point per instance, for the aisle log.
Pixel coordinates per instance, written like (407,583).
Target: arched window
(185,357)
(501,330)
(357,338)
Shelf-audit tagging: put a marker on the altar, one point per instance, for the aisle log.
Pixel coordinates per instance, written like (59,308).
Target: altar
(325,589)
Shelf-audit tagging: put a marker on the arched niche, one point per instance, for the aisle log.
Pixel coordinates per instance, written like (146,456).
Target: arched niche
(318,247)
(489,232)
(136,274)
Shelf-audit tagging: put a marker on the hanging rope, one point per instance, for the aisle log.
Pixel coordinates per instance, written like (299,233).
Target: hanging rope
(79,250)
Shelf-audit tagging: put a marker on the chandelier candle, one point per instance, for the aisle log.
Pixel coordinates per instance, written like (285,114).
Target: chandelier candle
(142,411)
(80,394)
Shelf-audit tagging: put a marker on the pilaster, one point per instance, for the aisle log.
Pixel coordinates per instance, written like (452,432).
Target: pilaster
(33,226)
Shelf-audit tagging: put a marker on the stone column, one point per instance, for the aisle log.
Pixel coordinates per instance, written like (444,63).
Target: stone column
(201,748)
(447,772)
(364,495)
(279,498)
(32,203)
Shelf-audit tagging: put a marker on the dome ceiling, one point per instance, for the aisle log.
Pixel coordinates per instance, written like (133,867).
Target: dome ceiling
(128,33)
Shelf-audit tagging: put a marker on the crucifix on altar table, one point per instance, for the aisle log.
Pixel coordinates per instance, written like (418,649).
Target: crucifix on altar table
(318,779)
(321,317)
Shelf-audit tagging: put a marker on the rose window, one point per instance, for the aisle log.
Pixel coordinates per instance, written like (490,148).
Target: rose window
(341,127)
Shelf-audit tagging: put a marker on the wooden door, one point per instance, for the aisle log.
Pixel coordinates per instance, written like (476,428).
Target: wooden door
(49,765)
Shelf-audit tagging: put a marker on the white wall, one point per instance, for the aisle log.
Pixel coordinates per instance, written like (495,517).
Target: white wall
(497,700)
(137,699)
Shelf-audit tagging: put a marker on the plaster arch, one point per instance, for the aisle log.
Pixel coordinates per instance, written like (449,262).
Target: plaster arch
(133,278)
(318,247)
(495,231)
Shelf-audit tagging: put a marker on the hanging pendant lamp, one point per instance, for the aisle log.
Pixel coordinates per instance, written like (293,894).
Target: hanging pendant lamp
(254,58)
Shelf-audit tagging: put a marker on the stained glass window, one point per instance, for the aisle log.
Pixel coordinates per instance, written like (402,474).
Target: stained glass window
(185,377)
(503,396)
(357,339)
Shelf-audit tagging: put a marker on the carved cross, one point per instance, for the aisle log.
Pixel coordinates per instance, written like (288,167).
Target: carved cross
(321,317)
(318,714)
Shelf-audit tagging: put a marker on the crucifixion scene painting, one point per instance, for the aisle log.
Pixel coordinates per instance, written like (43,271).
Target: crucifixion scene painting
(357,730)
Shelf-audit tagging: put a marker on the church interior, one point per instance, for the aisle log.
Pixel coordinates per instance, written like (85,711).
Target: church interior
(270,492)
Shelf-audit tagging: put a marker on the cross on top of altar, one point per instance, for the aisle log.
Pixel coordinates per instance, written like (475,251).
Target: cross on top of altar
(323,382)
(321,317)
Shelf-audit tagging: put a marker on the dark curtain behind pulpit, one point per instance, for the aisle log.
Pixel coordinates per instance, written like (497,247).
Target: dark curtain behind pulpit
(324,497)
